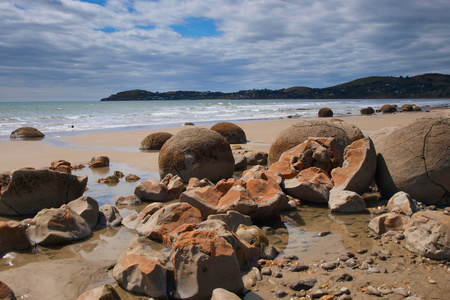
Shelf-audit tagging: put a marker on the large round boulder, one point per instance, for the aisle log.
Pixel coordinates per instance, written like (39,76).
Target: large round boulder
(415,158)
(367,111)
(325,112)
(26,133)
(196,152)
(301,131)
(155,141)
(231,132)
(389,108)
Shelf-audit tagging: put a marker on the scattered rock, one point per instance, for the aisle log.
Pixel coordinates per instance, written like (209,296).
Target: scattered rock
(346,202)
(26,133)
(367,111)
(329,265)
(407,107)
(153,190)
(233,219)
(345,277)
(403,202)
(131,200)
(240,162)
(312,185)
(109,216)
(231,132)
(155,141)
(387,222)
(389,108)
(318,293)
(303,285)
(99,162)
(370,290)
(87,208)
(223,294)
(13,237)
(132,178)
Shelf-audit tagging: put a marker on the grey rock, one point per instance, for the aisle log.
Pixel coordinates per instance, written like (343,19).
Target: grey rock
(303,285)
(223,294)
(109,216)
(329,266)
(345,201)
(87,208)
(233,219)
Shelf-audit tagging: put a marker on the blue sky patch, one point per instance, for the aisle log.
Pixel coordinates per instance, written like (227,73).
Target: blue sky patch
(197,27)
(99,2)
(107,29)
(19,7)
(148,27)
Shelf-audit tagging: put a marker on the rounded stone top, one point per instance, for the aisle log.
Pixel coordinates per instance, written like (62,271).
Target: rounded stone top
(367,111)
(389,108)
(231,132)
(325,112)
(155,141)
(27,133)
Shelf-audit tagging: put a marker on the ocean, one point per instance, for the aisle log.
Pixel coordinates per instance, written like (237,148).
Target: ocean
(63,118)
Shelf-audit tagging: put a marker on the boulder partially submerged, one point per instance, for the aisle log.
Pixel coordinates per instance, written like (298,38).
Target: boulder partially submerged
(26,133)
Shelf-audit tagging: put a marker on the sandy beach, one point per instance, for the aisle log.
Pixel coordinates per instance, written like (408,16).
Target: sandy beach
(122,146)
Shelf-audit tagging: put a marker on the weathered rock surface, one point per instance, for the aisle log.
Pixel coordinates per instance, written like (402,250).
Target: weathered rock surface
(353,132)
(367,111)
(104,292)
(6,293)
(132,220)
(26,133)
(223,294)
(87,208)
(428,234)
(256,237)
(301,131)
(130,200)
(346,202)
(325,112)
(132,178)
(388,222)
(255,157)
(30,191)
(155,141)
(109,216)
(99,162)
(240,162)
(153,190)
(415,158)
(231,132)
(403,203)
(13,237)
(389,108)
(311,185)
(57,226)
(233,219)
(196,152)
(358,170)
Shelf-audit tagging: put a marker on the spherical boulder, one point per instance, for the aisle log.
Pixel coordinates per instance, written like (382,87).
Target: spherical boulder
(407,107)
(155,141)
(301,131)
(325,112)
(389,108)
(26,133)
(415,158)
(367,111)
(196,152)
(231,132)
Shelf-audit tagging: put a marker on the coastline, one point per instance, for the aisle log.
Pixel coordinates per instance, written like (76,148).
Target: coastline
(122,146)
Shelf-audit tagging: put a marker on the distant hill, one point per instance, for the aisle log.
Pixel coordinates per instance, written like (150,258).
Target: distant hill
(419,87)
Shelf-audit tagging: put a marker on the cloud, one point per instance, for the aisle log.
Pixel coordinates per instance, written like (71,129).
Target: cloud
(95,48)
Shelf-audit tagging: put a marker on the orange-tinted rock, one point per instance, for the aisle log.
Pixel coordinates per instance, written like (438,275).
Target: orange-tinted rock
(204,198)
(259,171)
(224,186)
(312,185)
(358,170)
(152,190)
(13,237)
(174,185)
(387,222)
(56,163)
(283,167)
(195,183)
(99,162)
(132,178)
(133,219)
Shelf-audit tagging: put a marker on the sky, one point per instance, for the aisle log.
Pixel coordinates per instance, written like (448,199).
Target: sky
(52,50)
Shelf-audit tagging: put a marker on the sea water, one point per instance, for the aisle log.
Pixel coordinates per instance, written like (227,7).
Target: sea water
(65,117)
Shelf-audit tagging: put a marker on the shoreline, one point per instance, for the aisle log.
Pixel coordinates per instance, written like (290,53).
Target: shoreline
(123,146)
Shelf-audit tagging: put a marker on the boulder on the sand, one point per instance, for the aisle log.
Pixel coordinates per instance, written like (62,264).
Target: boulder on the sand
(13,237)
(132,178)
(323,153)
(403,203)
(87,208)
(407,107)
(204,261)
(130,200)
(58,226)
(167,219)
(358,170)
(342,201)
(6,293)
(99,162)
(153,190)
(353,132)
(311,185)
(29,191)
(256,237)
(109,216)
(240,162)
(196,152)
(233,219)
(231,132)
(325,112)
(301,131)
(367,111)
(387,222)
(26,133)
(104,292)
(155,141)
(428,234)
(415,158)
(389,108)
(61,166)
(142,270)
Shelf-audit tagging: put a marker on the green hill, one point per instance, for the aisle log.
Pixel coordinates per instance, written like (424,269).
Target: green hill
(417,87)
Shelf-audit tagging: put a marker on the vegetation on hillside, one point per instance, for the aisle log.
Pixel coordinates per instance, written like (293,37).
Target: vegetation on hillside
(418,87)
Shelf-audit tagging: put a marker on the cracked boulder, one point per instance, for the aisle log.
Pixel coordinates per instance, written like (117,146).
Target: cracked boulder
(196,152)
(29,191)
(301,131)
(415,158)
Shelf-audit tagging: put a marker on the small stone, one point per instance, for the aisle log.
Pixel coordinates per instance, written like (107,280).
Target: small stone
(303,285)
(345,290)
(298,268)
(383,258)
(290,257)
(329,266)
(386,253)
(399,236)
(370,290)
(400,291)
(353,235)
(385,291)
(364,266)
(344,258)
(431,281)
(280,294)
(374,254)
(301,294)
(278,274)
(345,297)
(362,251)
(266,271)
(345,277)
(324,233)
(318,293)
(351,263)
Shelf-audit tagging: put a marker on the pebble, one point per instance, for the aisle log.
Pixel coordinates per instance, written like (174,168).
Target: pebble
(251,282)
(258,275)
(280,294)
(344,258)
(370,290)
(399,236)
(318,293)
(345,297)
(385,253)
(385,291)
(400,291)
(298,268)
(266,271)
(329,265)
(362,251)
(278,274)
(431,281)
(301,294)
(353,235)
(303,285)
(345,277)
(351,263)
(376,270)
(290,257)
(324,233)
(374,253)
(364,266)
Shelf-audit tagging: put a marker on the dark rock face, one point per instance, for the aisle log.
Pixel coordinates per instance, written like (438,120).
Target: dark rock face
(30,191)
(231,132)
(26,133)
(367,111)
(415,158)
(196,152)
(301,131)
(325,112)
(407,107)
(389,108)
(155,141)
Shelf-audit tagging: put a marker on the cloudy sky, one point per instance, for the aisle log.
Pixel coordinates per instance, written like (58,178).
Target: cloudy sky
(89,49)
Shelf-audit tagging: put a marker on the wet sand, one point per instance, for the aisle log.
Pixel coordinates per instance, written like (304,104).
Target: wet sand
(311,233)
